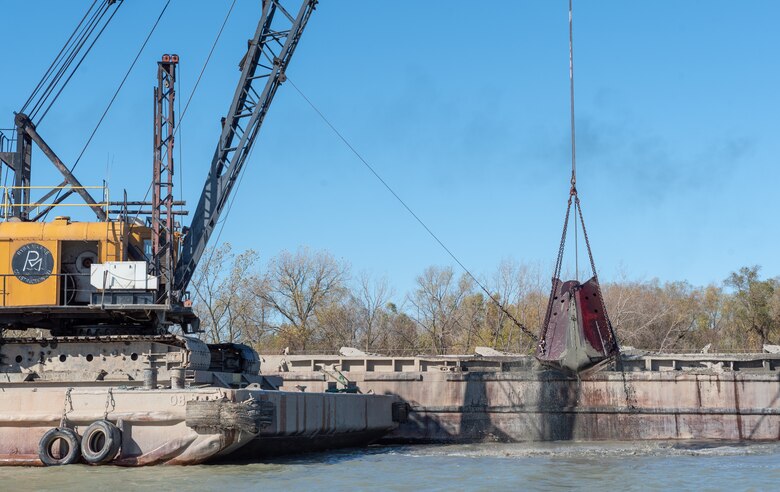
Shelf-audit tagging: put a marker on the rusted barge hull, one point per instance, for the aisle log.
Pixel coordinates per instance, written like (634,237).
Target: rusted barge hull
(191,426)
(457,399)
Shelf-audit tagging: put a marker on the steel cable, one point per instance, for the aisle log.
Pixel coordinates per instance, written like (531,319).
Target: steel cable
(63,64)
(181,118)
(573,142)
(177,131)
(116,93)
(83,57)
(373,171)
(57,58)
(121,84)
(205,64)
(66,63)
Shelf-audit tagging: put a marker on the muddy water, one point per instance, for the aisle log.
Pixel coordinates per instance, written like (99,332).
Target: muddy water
(548,466)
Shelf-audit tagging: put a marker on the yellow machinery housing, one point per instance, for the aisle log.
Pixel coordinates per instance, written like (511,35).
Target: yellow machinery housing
(48,264)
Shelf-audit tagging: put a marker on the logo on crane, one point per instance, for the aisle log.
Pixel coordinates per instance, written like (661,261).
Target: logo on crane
(32,263)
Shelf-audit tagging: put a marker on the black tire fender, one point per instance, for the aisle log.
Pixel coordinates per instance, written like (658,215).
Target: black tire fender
(64,436)
(101,442)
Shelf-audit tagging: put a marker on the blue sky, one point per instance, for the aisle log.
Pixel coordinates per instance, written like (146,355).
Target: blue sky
(463,108)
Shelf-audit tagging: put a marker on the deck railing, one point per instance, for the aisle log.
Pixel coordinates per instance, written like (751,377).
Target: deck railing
(7,206)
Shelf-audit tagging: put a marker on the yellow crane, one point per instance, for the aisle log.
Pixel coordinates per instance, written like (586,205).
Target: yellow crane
(127,272)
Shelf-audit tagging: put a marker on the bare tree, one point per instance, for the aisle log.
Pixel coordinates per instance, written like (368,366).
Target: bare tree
(338,325)
(437,301)
(260,323)
(656,316)
(401,336)
(681,301)
(370,300)
(220,302)
(297,285)
(518,287)
(474,320)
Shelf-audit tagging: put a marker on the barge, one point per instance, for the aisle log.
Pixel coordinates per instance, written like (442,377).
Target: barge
(514,398)
(67,401)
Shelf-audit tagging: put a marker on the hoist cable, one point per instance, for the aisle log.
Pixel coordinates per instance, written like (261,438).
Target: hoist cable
(181,118)
(205,64)
(57,58)
(116,93)
(373,171)
(182,113)
(121,84)
(64,63)
(60,62)
(573,143)
(180,139)
(177,131)
(83,57)
(571,99)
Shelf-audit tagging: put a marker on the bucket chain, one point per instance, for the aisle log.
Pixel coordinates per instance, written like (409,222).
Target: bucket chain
(109,402)
(613,338)
(65,410)
(557,271)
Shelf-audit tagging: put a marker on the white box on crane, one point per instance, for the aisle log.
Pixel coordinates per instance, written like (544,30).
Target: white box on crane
(122,275)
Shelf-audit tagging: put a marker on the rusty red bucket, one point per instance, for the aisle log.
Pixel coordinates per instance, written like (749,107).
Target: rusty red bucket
(577,334)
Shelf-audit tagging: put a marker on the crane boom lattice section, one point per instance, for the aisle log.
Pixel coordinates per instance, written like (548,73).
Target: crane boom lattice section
(262,71)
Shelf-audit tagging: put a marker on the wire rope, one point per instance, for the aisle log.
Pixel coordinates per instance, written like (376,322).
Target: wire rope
(430,232)
(177,132)
(56,58)
(205,64)
(116,93)
(573,143)
(44,103)
(83,57)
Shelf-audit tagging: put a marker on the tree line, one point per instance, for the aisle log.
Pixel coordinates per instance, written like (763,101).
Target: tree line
(309,301)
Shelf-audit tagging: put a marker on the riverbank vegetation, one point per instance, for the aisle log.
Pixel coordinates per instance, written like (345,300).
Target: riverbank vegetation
(309,301)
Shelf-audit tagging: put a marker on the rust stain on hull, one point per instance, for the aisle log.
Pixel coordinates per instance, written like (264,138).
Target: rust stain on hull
(738,410)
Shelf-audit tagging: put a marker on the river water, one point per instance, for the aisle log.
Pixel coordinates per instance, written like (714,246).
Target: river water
(526,466)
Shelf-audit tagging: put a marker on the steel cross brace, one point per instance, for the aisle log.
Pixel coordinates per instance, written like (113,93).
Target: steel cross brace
(27,126)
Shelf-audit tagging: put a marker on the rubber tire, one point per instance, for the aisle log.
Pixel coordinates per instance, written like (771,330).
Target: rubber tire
(112,440)
(52,436)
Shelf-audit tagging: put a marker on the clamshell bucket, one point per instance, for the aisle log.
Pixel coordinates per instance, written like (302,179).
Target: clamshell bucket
(577,334)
